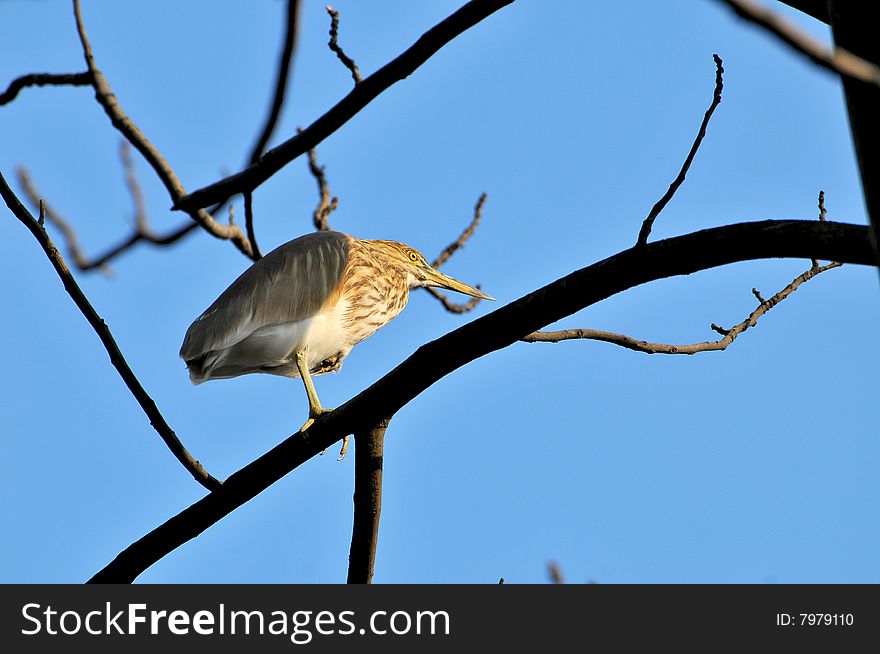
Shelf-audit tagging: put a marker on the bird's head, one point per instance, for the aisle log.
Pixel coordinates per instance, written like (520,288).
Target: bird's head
(421,273)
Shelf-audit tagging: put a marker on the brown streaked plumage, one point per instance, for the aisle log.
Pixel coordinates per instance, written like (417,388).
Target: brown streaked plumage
(300,309)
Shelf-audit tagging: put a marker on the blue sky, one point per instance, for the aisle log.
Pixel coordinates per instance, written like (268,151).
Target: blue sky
(757,464)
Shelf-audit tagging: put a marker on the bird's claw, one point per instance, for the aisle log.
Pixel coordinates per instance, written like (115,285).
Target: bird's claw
(313,415)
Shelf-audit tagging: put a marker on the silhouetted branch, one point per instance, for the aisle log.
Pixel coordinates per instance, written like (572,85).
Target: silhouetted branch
(347,61)
(681,255)
(448,251)
(362,94)
(729,335)
(326,204)
(105,97)
(369,447)
(249,224)
(815,8)
(836,60)
(116,358)
(43,79)
(287,50)
(645,231)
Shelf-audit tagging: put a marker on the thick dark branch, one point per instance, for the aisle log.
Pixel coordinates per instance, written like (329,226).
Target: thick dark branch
(729,335)
(103,332)
(815,8)
(347,61)
(840,61)
(43,79)
(364,93)
(855,28)
(645,231)
(289,47)
(682,255)
(369,451)
(104,96)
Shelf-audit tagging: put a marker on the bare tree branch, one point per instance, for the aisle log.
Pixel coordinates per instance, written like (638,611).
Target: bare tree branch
(249,224)
(287,50)
(105,97)
(645,231)
(362,94)
(369,452)
(326,204)
(729,335)
(837,60)
(43,79)
(458,243)
(854,26)
(681,255)
(448,251)
(103,331)
(347,61)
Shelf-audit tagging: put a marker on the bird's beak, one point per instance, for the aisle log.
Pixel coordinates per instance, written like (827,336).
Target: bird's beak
(437,278)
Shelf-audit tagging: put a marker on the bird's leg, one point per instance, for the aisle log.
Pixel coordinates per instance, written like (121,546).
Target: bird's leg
(315,408)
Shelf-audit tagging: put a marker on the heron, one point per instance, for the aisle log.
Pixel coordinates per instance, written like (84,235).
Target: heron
(299,310)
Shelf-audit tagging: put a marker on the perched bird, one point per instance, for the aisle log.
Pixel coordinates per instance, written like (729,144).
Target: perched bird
(300,309)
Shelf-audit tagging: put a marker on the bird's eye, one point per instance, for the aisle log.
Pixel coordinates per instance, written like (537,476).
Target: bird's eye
(414,256)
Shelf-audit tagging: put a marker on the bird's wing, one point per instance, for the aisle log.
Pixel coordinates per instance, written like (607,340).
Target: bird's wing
(290,284)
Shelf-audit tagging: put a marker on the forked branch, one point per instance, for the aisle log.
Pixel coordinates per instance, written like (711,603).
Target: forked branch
(146,403)
(448,251)
(729,335)
(681,255)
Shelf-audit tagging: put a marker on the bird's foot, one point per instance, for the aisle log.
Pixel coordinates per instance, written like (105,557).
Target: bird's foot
(317,414)
(313,415)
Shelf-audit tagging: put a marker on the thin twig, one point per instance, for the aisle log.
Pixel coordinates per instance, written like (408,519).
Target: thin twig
(729,335)
(287,50)
(43,79)
(103,331)
(822,217)
(837,60)
(399,68)
(369,447)
(458,243)
(326,203)
(249,224)
(105,97)
(681,255)
(347,61)
(648,223)
(448,251)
